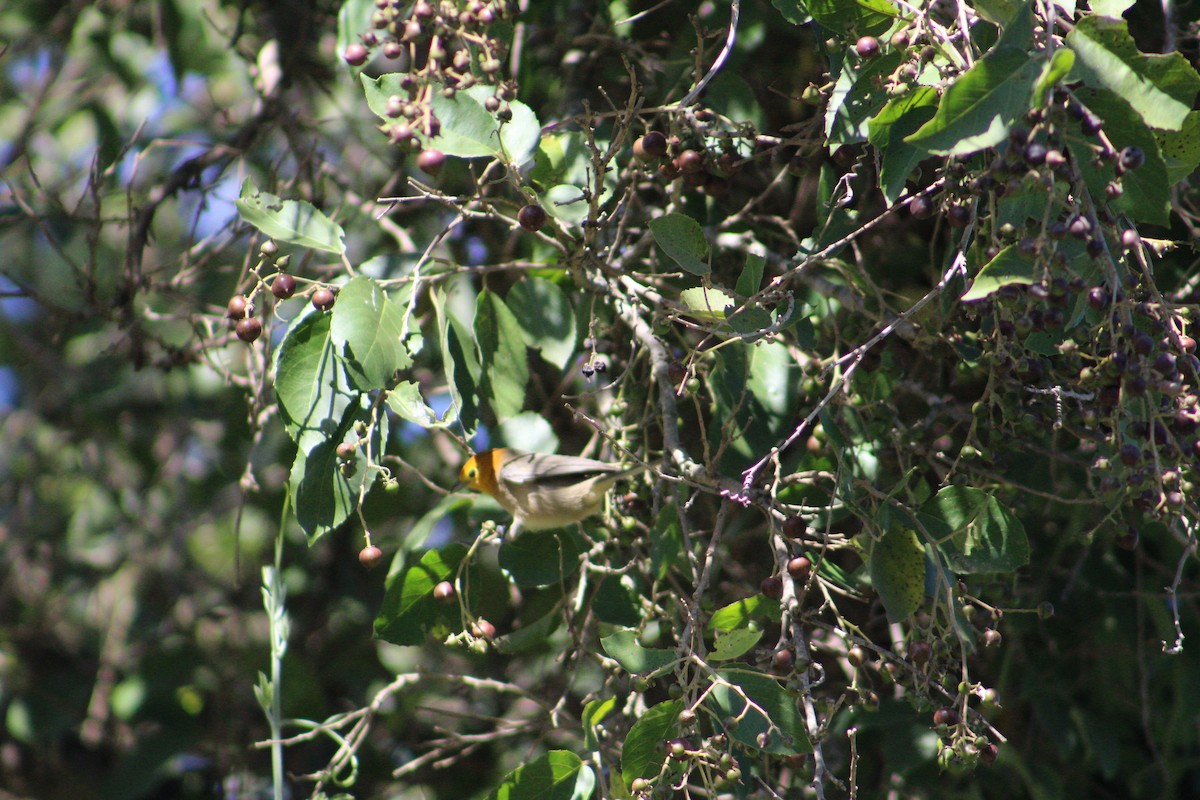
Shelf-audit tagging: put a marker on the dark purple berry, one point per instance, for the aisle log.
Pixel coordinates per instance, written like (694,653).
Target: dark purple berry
(799,568)
(236,308)
(945,716)
(959,216)
(532,217)
(651,145)
(323,299)
(284,286)
(1098,298)
(771,587)
(248,329)
(689,162)
(867,47)
(921,207)
(1035,154)
(1131,158)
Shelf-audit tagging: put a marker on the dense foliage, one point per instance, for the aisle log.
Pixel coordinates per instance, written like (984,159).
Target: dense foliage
(895,301)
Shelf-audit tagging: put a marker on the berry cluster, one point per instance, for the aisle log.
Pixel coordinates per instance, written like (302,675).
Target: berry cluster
(441,47)
(241,309)
(694,165)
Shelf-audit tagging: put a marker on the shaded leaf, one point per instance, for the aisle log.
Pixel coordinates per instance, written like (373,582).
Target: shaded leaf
(975,532)
(706,303)
(741,613)
(734,644)
(682,239)
(641,756)
(541,558)
(547,319)
(1146,197)
(310,383)
(593,714)
(635,659)
(897,567)
(856,99)
(502,352)
(366,332)
(761,706)
(409,611)
(1181,149)
(887,129)
(324,491)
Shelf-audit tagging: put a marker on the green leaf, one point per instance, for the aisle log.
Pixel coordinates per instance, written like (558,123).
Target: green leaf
(666,540)
(897,567)
(558,775)
(529,431)
(310,383)
(542,558)
(531,638)
(682,239)
(1110,8)
(793,11)
(468,129)
(1181,149)
(1161,88)
(734,644)
(618,601)
(635,659)
(551,330)
(706,303)
(741,613)
(859,18)
(975,532)
(641,756)
(293,221)
(1007,268)
(323,495)
(593,714)
(856,99)
(887,129)
(756,385)
(999,12)
(1146,197)
(460,360)
(502,351)
(977,109)
(1053,72)
(750,280)
(410,612)
(550,160)
(354,17)
(366,333)
(761,706)
(405,400)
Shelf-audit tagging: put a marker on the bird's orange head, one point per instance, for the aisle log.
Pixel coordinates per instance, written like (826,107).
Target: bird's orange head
(481,471)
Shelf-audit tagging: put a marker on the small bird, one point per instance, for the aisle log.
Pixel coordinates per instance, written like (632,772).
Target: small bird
(541,490)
